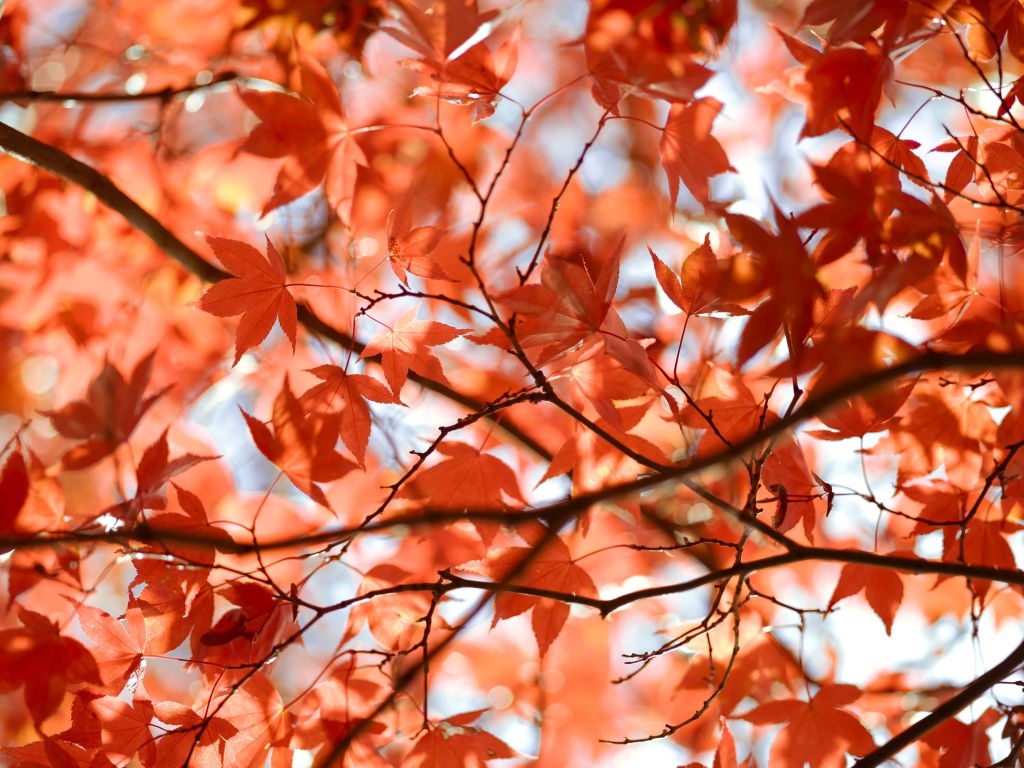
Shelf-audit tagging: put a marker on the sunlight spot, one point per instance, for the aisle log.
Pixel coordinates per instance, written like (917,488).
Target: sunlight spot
(39,374)
(500,697)
(135,84)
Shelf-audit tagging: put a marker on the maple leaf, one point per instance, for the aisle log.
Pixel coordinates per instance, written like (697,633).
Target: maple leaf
(123,727)
(647,48)
(552,569)
(449,37)
(258,292)
(262,720)
(792,276)
(347,394)
(963,167)
(109,414)
(819,731)
(176,745)
(694,290)
(454,743)
(45,662)
(572,303)
(301,446)
(406,346)
(882,587)
(393,619)
(117,649)
(725,754)
(14,487)
(312,133)
(843,85)
(409,247)
(689,153)
(467,479)
(961,744)
(193,522)
(154,470)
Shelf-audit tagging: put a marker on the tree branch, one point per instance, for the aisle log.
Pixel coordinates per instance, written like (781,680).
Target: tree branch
(944,711)
(54,160)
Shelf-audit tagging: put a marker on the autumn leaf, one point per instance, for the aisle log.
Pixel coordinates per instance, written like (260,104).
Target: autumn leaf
(301,445)
(961,744)
(311,132)
(106,418)
(792,277)
(553,569)
(645,49)
(393,619)
(819,732)
(123,727)
(406,346)
(14,486)
(38,657)
(454,743)
(258,292)
(882,587)
(409,247)
(467,479)
(117,649)
(725,754)
(693,290)
(347,395)
(689,153)
(570,304)
(844,85)
(449,38)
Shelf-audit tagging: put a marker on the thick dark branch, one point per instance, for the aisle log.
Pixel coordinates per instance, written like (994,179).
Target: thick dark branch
(164,94)
(944,711)
(55,161)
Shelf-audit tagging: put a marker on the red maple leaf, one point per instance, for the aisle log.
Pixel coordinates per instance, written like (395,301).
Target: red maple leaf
(45,662)
(568,306)
(819,731)
(117,648)
(693,291)
(467,479)
(449,37)
(312,134)
(552,569)
(346,394)
(454,743)
(258,292)
(882,587)
(689,153)
(409,247)
(14,486)
(108,415)
(406,345)
(301,446)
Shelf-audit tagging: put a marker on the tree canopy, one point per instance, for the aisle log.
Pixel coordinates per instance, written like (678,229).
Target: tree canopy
(461,383)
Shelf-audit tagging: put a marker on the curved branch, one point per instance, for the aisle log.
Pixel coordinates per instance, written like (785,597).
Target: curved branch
(944,711)
(54,160)
(164,94)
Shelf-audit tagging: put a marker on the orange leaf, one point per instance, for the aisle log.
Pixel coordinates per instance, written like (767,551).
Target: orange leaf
(818,731)
(689,153)
(406,346)
(553,569)
(882,587)
(453,743)
(347,395)
(258,292)
(301,446)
